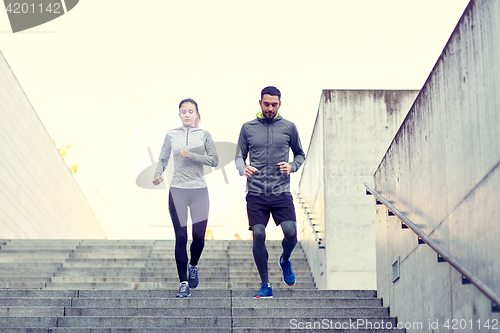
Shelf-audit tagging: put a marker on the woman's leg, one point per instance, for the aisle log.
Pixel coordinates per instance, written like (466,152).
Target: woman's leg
(199,206)
(178,215)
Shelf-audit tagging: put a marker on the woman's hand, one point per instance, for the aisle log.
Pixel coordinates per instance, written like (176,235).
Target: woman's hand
(158,180)
(185,153)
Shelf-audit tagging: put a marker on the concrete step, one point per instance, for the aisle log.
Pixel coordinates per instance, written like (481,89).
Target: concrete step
(148,311)
(31,311)
(44,242)
(209,330)
(133,264)
(155,302)
(172,271)
(144,322)
(127,286)
(213,275)
(321,325)
(27,322)
(36,301)
(276,284)
(143,274)
(130,294)
(140,330)
(111,254)
(292,292)
(174,286)
(287,322)
(24,279)
(189,330)
(125,279)
(20,265)
(28,261)
(27,293)
(22,285)
(249,303)
(121,242)
(10,272)
(33,252)
(296,312)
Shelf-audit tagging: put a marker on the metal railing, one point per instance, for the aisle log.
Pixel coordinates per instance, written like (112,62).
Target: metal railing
(487,291)
(315,232)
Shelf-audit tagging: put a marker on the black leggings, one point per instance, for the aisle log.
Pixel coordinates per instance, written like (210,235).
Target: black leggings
(179,200)
(259,250)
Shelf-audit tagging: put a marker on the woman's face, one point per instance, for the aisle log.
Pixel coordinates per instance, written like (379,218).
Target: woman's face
(188,114)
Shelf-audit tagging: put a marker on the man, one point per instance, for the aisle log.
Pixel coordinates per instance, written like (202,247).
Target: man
(267,140)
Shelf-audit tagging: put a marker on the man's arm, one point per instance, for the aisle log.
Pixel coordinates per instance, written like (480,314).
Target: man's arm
(298,154)
(241,155)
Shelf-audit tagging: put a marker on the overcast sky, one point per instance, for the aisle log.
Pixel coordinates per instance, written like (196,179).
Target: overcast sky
(99,72)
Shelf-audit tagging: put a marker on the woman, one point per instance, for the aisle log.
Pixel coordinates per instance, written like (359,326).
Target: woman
(191,148)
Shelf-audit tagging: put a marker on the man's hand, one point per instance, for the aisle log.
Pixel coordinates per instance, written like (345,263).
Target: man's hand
(185,153)
(249,171)
(285,168)
(158,180)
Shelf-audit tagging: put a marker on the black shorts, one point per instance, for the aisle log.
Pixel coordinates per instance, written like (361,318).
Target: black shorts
(259,208)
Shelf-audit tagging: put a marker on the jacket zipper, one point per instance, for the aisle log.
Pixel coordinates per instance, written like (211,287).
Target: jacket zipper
(267,159)
(187,136)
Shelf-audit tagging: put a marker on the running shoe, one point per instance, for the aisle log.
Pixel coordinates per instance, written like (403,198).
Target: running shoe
(266,291)
(193,276)
(288,276)
(183,290)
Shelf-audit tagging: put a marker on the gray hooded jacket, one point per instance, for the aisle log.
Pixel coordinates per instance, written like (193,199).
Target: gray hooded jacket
(188,172)
(268,142)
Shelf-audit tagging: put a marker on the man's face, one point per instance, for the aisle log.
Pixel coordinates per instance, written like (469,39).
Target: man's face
(270,105)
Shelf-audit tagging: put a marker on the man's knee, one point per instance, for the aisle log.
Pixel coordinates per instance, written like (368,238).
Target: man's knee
(259,233)
(289,230)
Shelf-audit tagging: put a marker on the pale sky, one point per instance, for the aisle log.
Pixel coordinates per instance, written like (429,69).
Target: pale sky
(107,67)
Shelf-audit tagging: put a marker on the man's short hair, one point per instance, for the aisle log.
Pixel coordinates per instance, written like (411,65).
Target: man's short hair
(273,91)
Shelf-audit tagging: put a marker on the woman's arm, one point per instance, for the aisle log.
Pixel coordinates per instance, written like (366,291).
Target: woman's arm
(164,157)
(210,158)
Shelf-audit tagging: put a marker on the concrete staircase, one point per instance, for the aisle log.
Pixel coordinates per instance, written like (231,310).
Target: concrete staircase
(130,286)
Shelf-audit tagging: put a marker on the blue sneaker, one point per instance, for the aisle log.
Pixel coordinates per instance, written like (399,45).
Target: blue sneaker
(288,276)
(265,291)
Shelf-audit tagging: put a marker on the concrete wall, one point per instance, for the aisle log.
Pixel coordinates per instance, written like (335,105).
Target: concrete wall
(352,132)
(39,197)
(312,192)
(442,171)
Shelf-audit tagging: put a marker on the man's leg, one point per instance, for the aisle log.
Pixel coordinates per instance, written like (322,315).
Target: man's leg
(288,243)
(289,238)
(259,250)
(258,216)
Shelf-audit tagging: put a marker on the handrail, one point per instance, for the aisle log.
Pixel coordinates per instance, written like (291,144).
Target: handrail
(441,251)
(318,240)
